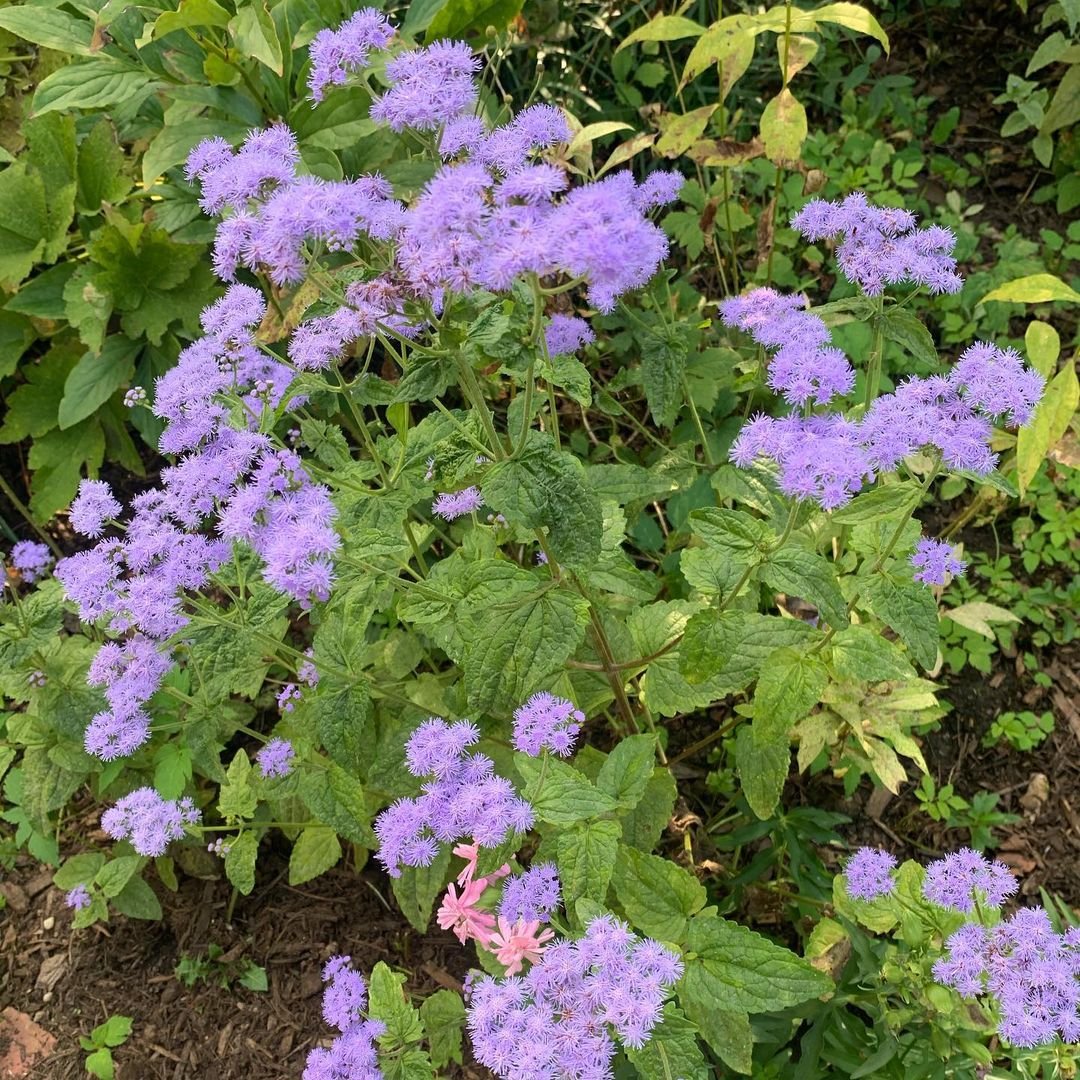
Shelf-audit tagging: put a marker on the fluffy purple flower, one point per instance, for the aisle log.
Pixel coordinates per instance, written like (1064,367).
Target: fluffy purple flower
(869,873)
(511,146)
(996,382)
(287,697)
(112,734)
(31,559)
(659,189)
(531,896)
(92,508)
(962,877)
(276,758)
(149,821)
(462,799)
(804,368)
(547,722)
(934,560)
(563,1018)
(454,504)
(352,1055)
(307,672)
(77,898)
(566,334)
(428,87)
(464,132)
(880,245)
(336,53)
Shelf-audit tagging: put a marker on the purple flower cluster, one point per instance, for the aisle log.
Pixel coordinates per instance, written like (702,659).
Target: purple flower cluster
(276,758)
(564,1016)
(1028,971)
(963,877)
(336,53)
(531,896)
(148,820)
(93,507)
(565,334)
(804,367)
(352,1055)
(869,873)
(934,560)
(454,504)
(828,458)
(78,898)
(131,671)
(881,246)
(31,559)
(546,722)
(429,87)
(462,799)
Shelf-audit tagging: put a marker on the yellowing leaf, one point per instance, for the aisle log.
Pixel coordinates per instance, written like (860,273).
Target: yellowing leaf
(729,42)
(978,616)
(1043,345)
(1048,425)
(591,132)
(854,18)
(783,128)
(680,132)
(799,50)
(663,28)
(1033,289)
(625,151)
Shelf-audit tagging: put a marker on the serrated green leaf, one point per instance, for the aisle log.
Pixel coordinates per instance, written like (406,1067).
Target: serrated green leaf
(337,799)
(24,221)
(807,575)
(741,971)
(763,768)
(418,886)
(387,1002)
(861,653)
(887,502)
(909,608)
(100,1064)
(51,151)
(443,1017)
(789,686)
(663,368)
(730,647)
(237,797)
(586,858)
(627,769)
(240,861)
(116,873)
(728,1033)
(559,794)
(316,850)
(95,379)
(100,169)
(672,1051)
(657,896)
(642,826)
(733,532)
(78,870)
(137,901)
(910,333)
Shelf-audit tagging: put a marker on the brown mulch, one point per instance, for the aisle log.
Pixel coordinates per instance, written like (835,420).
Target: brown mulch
(70,982)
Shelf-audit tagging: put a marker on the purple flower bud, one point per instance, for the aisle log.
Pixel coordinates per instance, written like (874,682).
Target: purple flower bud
(869,873)
(31,559)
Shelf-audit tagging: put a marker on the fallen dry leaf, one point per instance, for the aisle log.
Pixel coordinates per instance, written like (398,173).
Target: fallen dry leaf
(27,1044)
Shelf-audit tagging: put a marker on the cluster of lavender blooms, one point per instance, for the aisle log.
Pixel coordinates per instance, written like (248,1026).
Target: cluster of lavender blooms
(462,798)
(31,559)
(78,898)
(935,560)
(1026,970)
(881,246)
(276,759)
(546,722)
(533,895)
(233,480)
(566,334)
(450,505)
(827,457)
(567,1014)
(149,821)
(352,1054)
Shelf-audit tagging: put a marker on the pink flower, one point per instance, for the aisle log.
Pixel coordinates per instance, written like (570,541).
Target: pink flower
(470,853)
(516,943)
(460,913)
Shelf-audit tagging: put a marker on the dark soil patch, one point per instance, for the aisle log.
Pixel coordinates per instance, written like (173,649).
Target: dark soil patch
(70,982)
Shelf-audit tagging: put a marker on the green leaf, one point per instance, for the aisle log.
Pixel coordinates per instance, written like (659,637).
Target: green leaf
(559,794)
(1033,289)
(172,769)
(789,686)
(657,896)
(886,503)
(732,532)
(909,609)
(337,800)
(784,128)
(98,83)
(253,977)
(78,870)
(315,851)
(116,873)
(1052,419)
(663,28)
(729,43)
(100,165)
(642,826)
(763,769)
(418,887)
(672,1052)
(342,713)
(57,459)
(114,1032)
(680,132)
(738,970)
(663,369)
(862,653)
(48,27)
(910,333)
(627,769)
(237,797)
(190,14)
(240,861)
(727,1033)
(137,901)
(585,853)
(95,379)
(545,488)
(51,150)
(254,34)
(730,647)
(809,576)
(463,18)
(24,222)
(443,1017)
(1043,345)
(100,1064)
(43,294)
(852,16)
(1064,108)
(387,1002)
(17,334)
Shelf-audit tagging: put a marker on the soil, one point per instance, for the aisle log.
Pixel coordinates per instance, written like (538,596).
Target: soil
(70,982)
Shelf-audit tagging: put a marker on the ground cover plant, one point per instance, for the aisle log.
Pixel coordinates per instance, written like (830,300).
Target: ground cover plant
(470,494)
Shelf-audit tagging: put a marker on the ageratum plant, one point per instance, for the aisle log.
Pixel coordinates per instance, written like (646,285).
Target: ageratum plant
(376,526)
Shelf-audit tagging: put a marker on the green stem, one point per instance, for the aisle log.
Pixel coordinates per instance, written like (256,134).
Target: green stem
(361,426)
(475,394)
(9,494)
(540,342)
(877,348)
(705,449)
